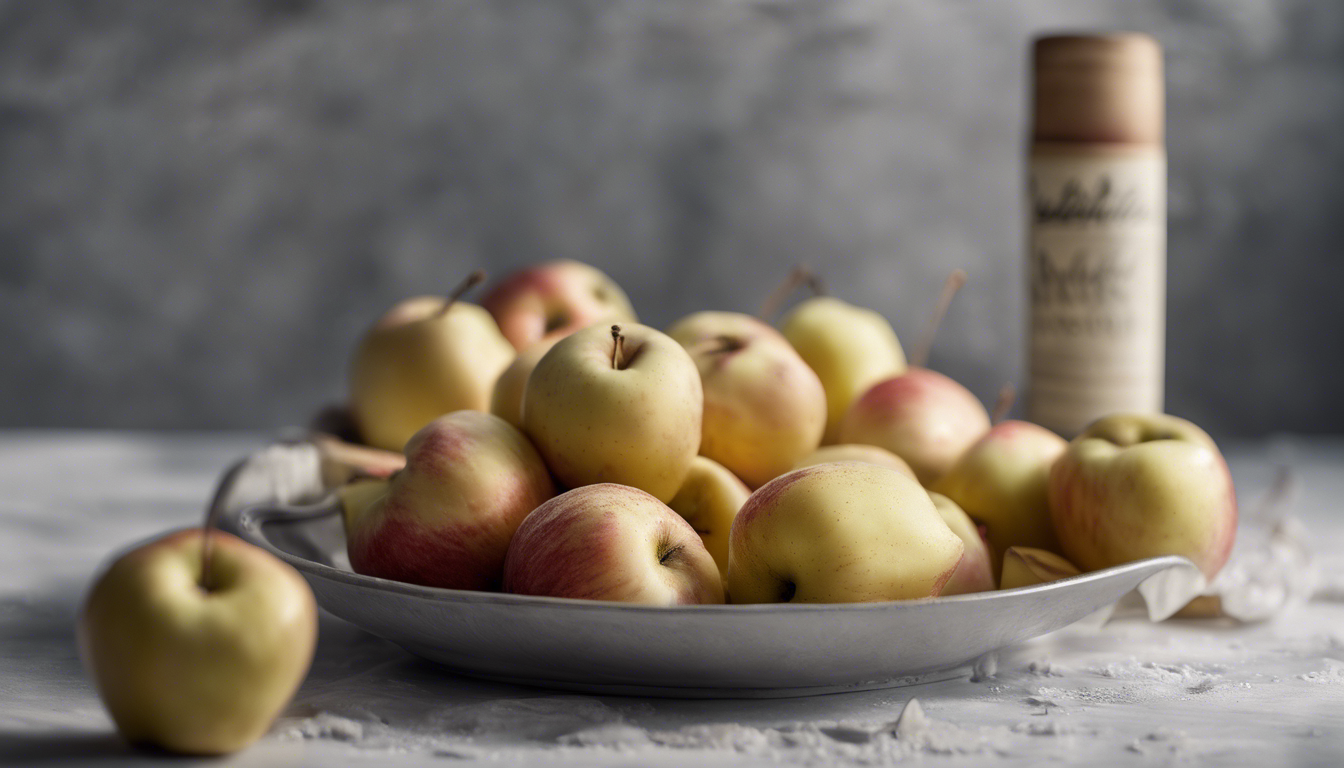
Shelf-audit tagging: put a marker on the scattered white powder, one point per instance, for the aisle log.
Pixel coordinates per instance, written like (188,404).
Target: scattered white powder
(1163,741)
(1333,673)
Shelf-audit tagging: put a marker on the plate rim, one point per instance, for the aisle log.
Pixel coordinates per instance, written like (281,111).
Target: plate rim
(246,522)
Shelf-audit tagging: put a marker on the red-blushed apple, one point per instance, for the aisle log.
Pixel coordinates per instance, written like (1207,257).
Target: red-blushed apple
(1002,480)
(850,349)
(840,533)
(549,301)
(709,500)
(1028,566)
(447,518)
(506,401)
(611,542)
(764,407)
(922,416)
(869,454)
(975,573)
(616,404)
(194,664)
(1133,486)
(426,357)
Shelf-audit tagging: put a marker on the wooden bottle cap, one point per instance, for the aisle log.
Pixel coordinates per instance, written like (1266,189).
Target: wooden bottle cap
(1098,88)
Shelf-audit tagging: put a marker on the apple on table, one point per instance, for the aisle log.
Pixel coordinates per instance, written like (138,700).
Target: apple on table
(193,657)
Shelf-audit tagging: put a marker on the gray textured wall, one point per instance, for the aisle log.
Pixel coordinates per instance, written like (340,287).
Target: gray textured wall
(202,204)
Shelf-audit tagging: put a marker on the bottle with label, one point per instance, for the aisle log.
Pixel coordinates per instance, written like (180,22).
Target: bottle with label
(1097,230)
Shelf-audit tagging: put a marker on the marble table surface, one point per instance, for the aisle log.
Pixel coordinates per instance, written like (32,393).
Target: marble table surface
(1126,693)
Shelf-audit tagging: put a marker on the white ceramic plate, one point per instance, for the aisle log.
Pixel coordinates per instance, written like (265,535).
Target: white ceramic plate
(688,651)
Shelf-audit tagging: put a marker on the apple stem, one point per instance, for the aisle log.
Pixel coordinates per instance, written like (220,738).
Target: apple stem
(618,341)
(1007,394)
(471,281)
(717,345)
(212,514)
(953,284)
(797,276)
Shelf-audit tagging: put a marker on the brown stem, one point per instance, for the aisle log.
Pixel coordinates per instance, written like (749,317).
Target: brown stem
(1007,394)
(212,514)
(471,281)
(950,287)
(796,277)
(617,342)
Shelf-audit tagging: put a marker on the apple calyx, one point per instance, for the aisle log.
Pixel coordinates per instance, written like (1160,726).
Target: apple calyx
(1007,395)
(799,275)
(954,282)
(471,281)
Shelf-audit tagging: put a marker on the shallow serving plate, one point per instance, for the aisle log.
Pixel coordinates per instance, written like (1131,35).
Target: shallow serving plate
(689,651)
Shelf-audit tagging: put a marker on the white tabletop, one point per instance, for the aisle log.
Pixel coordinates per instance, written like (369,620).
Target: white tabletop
(1207,692)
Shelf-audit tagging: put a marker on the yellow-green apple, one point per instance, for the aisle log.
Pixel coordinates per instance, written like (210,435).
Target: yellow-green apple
(611,542)
(922,416)
(426,357)
(764,407)
(975,573)
(869,454)
(194,662)
(709,500)
(1143,485)
(849,347)
(552,300)
(1028,566)
(840,533)
(1002,480)
(446,519)
(616,404)
(506,401)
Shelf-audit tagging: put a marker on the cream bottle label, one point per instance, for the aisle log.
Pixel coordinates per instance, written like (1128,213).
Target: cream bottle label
(1097,264)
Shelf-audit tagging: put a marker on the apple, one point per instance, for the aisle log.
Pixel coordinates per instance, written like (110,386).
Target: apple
(840,533)
(619,404)
(764,407)
(1133,486)
(197,661)
(869,454)
(611,542)
(426,357)
(1028,566)
(446,519)
(922,416)
(975,573)
(850,349)
(506,401)
(549,301)
(709,500)
(1002,480)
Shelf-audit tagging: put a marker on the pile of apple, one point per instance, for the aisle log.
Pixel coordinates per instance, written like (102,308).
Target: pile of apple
(546,443)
